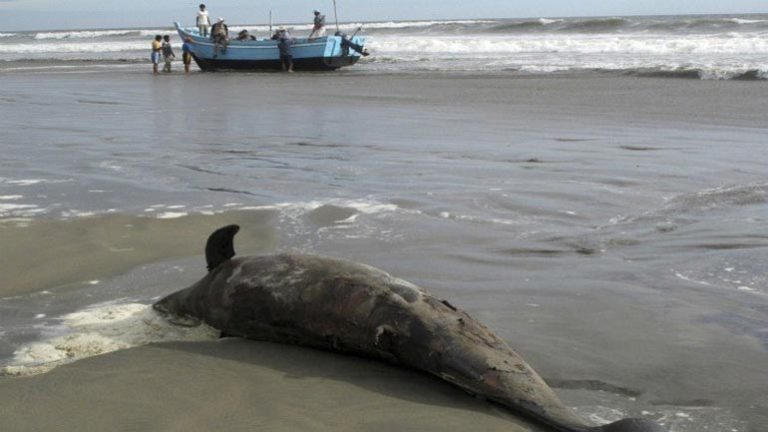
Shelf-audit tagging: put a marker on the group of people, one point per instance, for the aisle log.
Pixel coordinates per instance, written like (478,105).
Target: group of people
(219,33)
(161,48)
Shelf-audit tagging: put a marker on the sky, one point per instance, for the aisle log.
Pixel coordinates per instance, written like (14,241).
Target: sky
(78,14)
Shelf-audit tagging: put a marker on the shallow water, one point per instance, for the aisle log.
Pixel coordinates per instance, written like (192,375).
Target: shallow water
(697,46)
(611,229)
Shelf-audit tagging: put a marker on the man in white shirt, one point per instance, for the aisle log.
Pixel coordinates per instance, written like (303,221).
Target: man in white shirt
(318,29)
(203,21)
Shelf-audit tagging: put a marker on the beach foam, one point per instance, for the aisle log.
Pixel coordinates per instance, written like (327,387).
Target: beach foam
(581,44)
(74,47)
(19,210)
(100,329)
(31,181)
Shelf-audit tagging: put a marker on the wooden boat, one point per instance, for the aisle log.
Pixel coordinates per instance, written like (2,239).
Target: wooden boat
(325,53)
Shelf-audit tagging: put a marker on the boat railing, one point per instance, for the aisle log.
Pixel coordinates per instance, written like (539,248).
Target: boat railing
(193,31)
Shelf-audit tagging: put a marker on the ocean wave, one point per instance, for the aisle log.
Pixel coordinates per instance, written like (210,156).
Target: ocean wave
(698,73)
(542,63)
(75,47)
(415,24)
(7,35)
(735,45)
(595,25)
(653,46)
(54,61)
(701,73)
(724,22)
(547,21)
(708,23)
(94,34)
(622,25)
(720,197)
(154,32)
(570,44)
(522,26)
(747,21)
(703,25)
(352,26)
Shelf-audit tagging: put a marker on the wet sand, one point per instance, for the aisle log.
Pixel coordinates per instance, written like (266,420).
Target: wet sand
(239,385)
(94,248)
(612,229)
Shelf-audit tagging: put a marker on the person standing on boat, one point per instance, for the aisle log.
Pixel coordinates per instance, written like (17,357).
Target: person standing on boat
(220,34)
(318,30)
(168,54)
(203,21)
(157,48)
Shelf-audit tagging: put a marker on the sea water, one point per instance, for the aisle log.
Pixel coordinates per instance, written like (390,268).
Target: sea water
(700,46)
(611,228)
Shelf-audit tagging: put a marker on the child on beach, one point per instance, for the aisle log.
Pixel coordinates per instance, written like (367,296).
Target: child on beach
(168,54)
(186,54)
(157,47)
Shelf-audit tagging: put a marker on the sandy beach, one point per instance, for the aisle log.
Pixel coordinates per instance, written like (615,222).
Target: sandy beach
(240,385)
(610,228)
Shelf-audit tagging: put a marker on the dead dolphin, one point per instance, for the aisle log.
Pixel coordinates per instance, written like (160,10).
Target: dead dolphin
(353,308)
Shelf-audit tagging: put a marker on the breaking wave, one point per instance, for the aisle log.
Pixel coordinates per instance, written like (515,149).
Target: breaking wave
(74,47)
(572,44)
(523,26)
(596,25)
(92,34)
(701,73)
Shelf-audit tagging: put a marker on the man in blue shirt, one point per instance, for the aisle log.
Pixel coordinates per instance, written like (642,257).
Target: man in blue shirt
(186,50)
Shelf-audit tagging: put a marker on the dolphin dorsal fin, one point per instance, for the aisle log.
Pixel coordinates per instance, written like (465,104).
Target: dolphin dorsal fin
(220,246)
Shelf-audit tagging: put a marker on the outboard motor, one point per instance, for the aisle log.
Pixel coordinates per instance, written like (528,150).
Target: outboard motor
(346,44)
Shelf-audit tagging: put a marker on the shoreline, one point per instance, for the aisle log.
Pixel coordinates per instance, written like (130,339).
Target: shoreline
(527,104)
(257,385)
(138,65)
(611,229)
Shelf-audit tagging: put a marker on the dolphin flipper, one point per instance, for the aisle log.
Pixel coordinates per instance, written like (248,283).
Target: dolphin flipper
(220,247)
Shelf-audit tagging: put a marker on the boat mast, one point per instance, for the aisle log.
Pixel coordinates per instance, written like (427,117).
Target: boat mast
(270,22)
(336,15)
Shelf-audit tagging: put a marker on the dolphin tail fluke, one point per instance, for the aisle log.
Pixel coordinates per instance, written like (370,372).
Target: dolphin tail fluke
(220,246)
(630,425)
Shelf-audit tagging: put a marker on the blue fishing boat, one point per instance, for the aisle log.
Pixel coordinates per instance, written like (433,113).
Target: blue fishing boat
(323,53)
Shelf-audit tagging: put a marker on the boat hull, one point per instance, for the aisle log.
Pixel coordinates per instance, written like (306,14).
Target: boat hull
(321,54)
(305,64)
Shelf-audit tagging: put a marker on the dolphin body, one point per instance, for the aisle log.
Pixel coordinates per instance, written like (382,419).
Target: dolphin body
(353,308)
